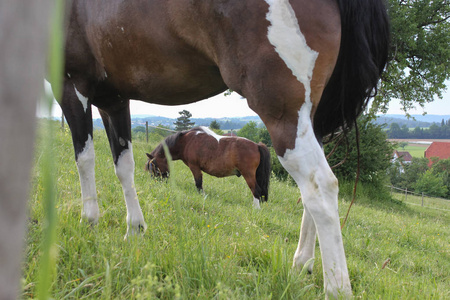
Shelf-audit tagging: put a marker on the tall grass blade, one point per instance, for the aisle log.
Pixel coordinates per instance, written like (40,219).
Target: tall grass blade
(47,264)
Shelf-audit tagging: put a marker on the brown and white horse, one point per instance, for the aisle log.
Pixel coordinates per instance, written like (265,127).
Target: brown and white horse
(203,150)
(307,68)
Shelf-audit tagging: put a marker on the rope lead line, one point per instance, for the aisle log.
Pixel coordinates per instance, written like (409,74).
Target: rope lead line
(357,174)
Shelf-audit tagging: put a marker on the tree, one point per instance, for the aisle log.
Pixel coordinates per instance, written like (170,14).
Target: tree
(442,169)
(375,153)
(419,60)
(215,126)
(264,136)
(413,171)
(183,121)
(249,131)
(403,145)
(431,184)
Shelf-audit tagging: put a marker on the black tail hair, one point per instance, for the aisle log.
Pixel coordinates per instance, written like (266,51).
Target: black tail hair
(362,58)
(263,172)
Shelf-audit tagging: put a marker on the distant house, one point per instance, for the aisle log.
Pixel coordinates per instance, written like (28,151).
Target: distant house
(403,157)
(440,150)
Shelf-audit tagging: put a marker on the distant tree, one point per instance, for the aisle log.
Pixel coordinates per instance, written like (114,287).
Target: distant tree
(249,131)
(184,121)
(417,133)
(394,131)
(403,145)
(214,125)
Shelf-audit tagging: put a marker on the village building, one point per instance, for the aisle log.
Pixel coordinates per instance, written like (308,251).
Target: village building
(440,150)
(403,157)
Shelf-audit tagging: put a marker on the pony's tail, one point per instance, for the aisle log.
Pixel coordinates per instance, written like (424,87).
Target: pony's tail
(263,171)
(362,57)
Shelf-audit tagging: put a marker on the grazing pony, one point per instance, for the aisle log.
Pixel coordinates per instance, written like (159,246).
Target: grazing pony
(221,156)
(307,68)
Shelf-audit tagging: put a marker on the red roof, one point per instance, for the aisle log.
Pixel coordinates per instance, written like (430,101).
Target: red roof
(404,155)
(438,149)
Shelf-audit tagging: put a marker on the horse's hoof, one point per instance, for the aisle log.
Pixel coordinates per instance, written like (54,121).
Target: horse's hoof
(306,267)
(136,230)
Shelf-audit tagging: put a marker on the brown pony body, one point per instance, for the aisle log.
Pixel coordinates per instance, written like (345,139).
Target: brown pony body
(204,151)
(307,68)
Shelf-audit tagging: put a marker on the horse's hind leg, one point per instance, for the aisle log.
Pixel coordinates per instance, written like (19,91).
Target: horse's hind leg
(250,179)
(118,128)
(286,102)
(77,110)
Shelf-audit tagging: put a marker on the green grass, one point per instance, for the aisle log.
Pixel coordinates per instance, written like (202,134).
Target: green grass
(217,246)
(414,150)
(429,202)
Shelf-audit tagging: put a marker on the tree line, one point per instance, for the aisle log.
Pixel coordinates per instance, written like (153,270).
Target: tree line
(435,131)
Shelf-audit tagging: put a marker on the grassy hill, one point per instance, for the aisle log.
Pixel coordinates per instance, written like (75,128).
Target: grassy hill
(216,246)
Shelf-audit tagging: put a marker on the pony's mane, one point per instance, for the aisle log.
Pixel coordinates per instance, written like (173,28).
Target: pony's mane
(172,140)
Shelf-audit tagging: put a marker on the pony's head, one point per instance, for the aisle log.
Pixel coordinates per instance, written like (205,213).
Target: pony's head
(157,164)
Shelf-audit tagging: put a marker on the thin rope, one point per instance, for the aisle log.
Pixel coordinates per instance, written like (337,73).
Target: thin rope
(357,174)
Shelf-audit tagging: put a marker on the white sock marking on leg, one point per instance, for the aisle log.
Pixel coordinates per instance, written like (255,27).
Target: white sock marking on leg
(125,173)
(86,172)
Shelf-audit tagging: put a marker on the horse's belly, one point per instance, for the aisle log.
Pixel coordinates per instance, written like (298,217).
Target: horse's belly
(141,58)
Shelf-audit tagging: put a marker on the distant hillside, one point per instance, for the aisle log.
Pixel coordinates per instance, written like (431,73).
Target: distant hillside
(418,121)
(225,123)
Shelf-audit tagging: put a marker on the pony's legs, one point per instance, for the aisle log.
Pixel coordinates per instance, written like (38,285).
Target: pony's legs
(118,129)
(306,242)
(77,109)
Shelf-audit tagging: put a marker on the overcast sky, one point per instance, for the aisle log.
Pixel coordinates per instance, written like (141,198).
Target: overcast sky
(222,106)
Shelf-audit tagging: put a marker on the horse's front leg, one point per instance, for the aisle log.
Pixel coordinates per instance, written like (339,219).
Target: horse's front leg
(118,128)
(198,176)
(306,242)
(76,106)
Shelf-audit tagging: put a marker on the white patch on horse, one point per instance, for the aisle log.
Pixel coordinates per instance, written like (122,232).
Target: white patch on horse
(290,44)
(86,172)
(125,172)
(256,203)
(306,162)
(121,28)
(68,75)
(211,133)
(83,99)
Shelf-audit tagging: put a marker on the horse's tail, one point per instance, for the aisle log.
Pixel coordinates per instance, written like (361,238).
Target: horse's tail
(263,171)
(362,57)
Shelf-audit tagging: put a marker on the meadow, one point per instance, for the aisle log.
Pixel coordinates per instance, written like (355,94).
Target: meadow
(215,245)
(414,149)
